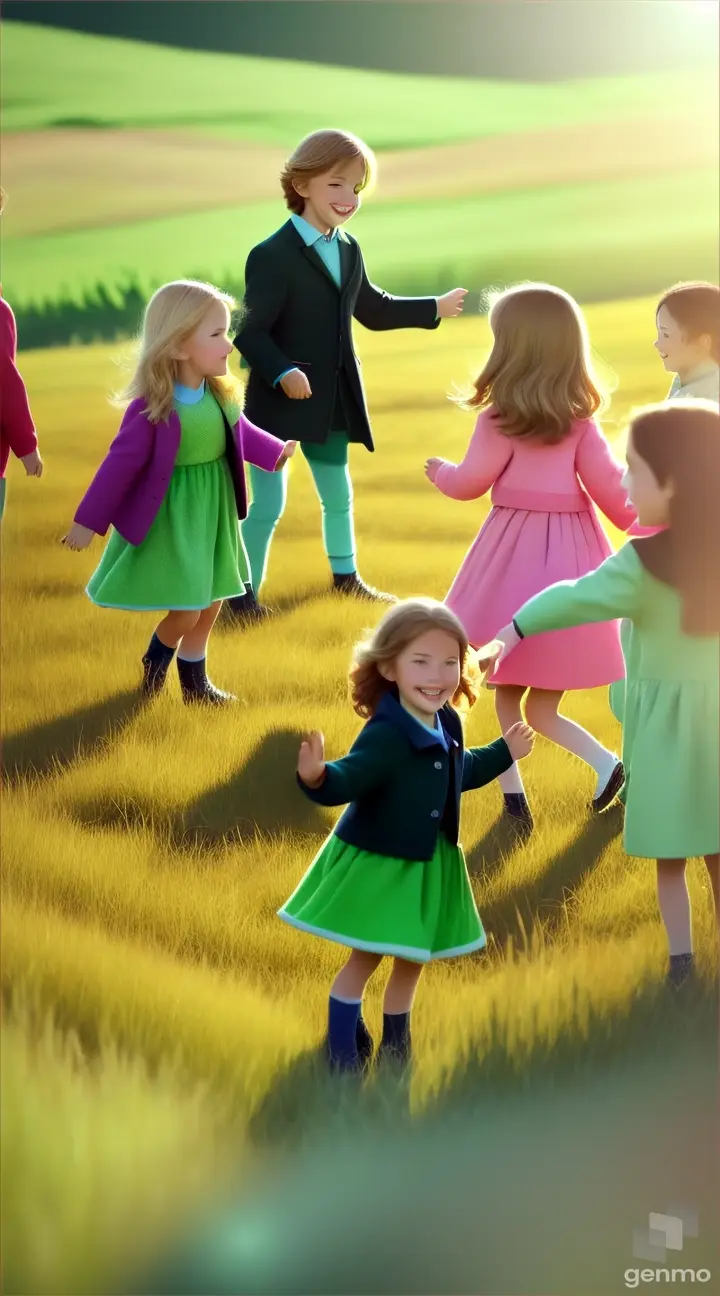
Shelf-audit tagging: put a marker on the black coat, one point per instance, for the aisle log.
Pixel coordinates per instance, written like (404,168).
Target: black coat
(403,787)
(297,318)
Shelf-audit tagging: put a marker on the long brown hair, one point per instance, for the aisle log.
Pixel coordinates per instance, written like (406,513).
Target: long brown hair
(397,630)
(538,377)
(696,308)
(318,153)
(680,442)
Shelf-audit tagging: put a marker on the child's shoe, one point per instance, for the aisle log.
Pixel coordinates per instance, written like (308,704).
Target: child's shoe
(518,812)
(196,687)
(680,970)
(156,663)
(352,585)
(610,791)
(396,1044)
(245,609)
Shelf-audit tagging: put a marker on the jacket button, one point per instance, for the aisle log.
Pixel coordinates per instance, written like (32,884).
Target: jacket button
(438,764)
(435,814)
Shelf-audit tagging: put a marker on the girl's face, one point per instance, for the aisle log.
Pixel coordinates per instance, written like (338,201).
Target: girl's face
(205,353)
(651,500)
(333,197)
(679,353)
(427,673)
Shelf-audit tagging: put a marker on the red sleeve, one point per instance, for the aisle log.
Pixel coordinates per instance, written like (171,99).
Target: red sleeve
(18,429)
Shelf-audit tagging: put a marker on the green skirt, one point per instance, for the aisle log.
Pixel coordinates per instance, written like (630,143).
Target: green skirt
(413,909)
(192,555)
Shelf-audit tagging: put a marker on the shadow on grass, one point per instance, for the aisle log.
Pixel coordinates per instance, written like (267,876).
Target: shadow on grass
(260,799)
(69,737)
(513,916)
(228,624)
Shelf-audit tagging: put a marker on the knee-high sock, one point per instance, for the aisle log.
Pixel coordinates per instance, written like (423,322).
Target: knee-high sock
(577,740)
(333,485)
(510,781)
(269,495)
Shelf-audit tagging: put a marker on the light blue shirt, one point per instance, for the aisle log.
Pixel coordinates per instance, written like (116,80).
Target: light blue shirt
(436,727)
(189,395)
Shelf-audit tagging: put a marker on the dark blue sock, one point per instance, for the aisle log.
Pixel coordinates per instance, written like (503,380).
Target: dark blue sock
(342,1028)
(396,1035)
(158,652)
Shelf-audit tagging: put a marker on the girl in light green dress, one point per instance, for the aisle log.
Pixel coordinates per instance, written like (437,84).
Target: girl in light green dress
(668,588)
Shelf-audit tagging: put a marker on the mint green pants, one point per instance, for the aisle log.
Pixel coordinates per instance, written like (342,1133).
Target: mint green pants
(331,474)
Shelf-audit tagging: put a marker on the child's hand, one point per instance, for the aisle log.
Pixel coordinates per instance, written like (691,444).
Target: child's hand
(431,468)
(520,738)
(509,638)
(288,452)
(311,761)
(78,537)
(487,656)
(295,385)
(32,464)
(452,303)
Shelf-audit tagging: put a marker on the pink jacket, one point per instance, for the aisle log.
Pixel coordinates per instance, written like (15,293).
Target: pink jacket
(562,478)
(130,484)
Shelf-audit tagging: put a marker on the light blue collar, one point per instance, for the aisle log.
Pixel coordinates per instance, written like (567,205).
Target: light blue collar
(309,233)
(189,395)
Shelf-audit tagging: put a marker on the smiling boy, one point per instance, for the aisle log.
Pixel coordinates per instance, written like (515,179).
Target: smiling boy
(303,287)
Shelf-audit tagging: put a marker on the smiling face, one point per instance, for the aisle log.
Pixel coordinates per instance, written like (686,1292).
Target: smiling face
(650,498)
(680,353)
(427,673)
(333,197)
(205,353)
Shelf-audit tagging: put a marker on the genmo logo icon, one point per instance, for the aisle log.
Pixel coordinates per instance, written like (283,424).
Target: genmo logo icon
(665,1233)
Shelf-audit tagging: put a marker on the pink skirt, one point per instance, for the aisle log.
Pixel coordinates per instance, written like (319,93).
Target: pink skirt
(516,555)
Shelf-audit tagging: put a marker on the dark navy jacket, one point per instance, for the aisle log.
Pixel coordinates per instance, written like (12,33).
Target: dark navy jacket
(402,785)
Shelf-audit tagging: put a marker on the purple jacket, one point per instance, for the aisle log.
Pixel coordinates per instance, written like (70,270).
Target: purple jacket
(130,484)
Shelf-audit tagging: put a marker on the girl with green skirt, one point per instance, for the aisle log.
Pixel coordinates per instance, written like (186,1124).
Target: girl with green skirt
(391,879)
(172,487)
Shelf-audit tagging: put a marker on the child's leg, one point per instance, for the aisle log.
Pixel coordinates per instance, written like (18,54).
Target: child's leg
(541,712)
(508,699)
(674,903)
(269,496)
(331,474)
(713,867)
(349,1041)
(397,1005)
(161,649)
(192,661)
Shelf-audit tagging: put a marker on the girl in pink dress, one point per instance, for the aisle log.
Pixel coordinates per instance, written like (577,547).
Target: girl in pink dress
(536,443)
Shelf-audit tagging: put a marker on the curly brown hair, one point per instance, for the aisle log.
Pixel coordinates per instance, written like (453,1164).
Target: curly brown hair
(398,628)
(318,153)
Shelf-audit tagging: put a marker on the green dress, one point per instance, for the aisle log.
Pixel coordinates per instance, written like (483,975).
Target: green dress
(413,909)
(193,553)
(669,703)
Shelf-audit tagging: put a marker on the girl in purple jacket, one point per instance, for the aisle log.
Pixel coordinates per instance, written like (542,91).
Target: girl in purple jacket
(172,487)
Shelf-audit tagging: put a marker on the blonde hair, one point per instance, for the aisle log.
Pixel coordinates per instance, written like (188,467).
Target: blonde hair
(538,377)
(397,630)
(171,316)
(318,153)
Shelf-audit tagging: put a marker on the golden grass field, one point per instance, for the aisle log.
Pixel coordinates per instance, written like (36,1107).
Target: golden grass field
(146,850)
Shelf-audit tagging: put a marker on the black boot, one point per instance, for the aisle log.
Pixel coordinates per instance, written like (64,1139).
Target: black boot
(519,813)
(246,609)
(364,1041)
(680,970)
(396,1044)
(156,664)
(196,687)
(352,585)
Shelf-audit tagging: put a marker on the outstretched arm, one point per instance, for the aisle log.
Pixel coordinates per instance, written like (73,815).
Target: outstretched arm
(483,764)
(602,475)
(487,455)
(614,590)
(371,761)
(378,310)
